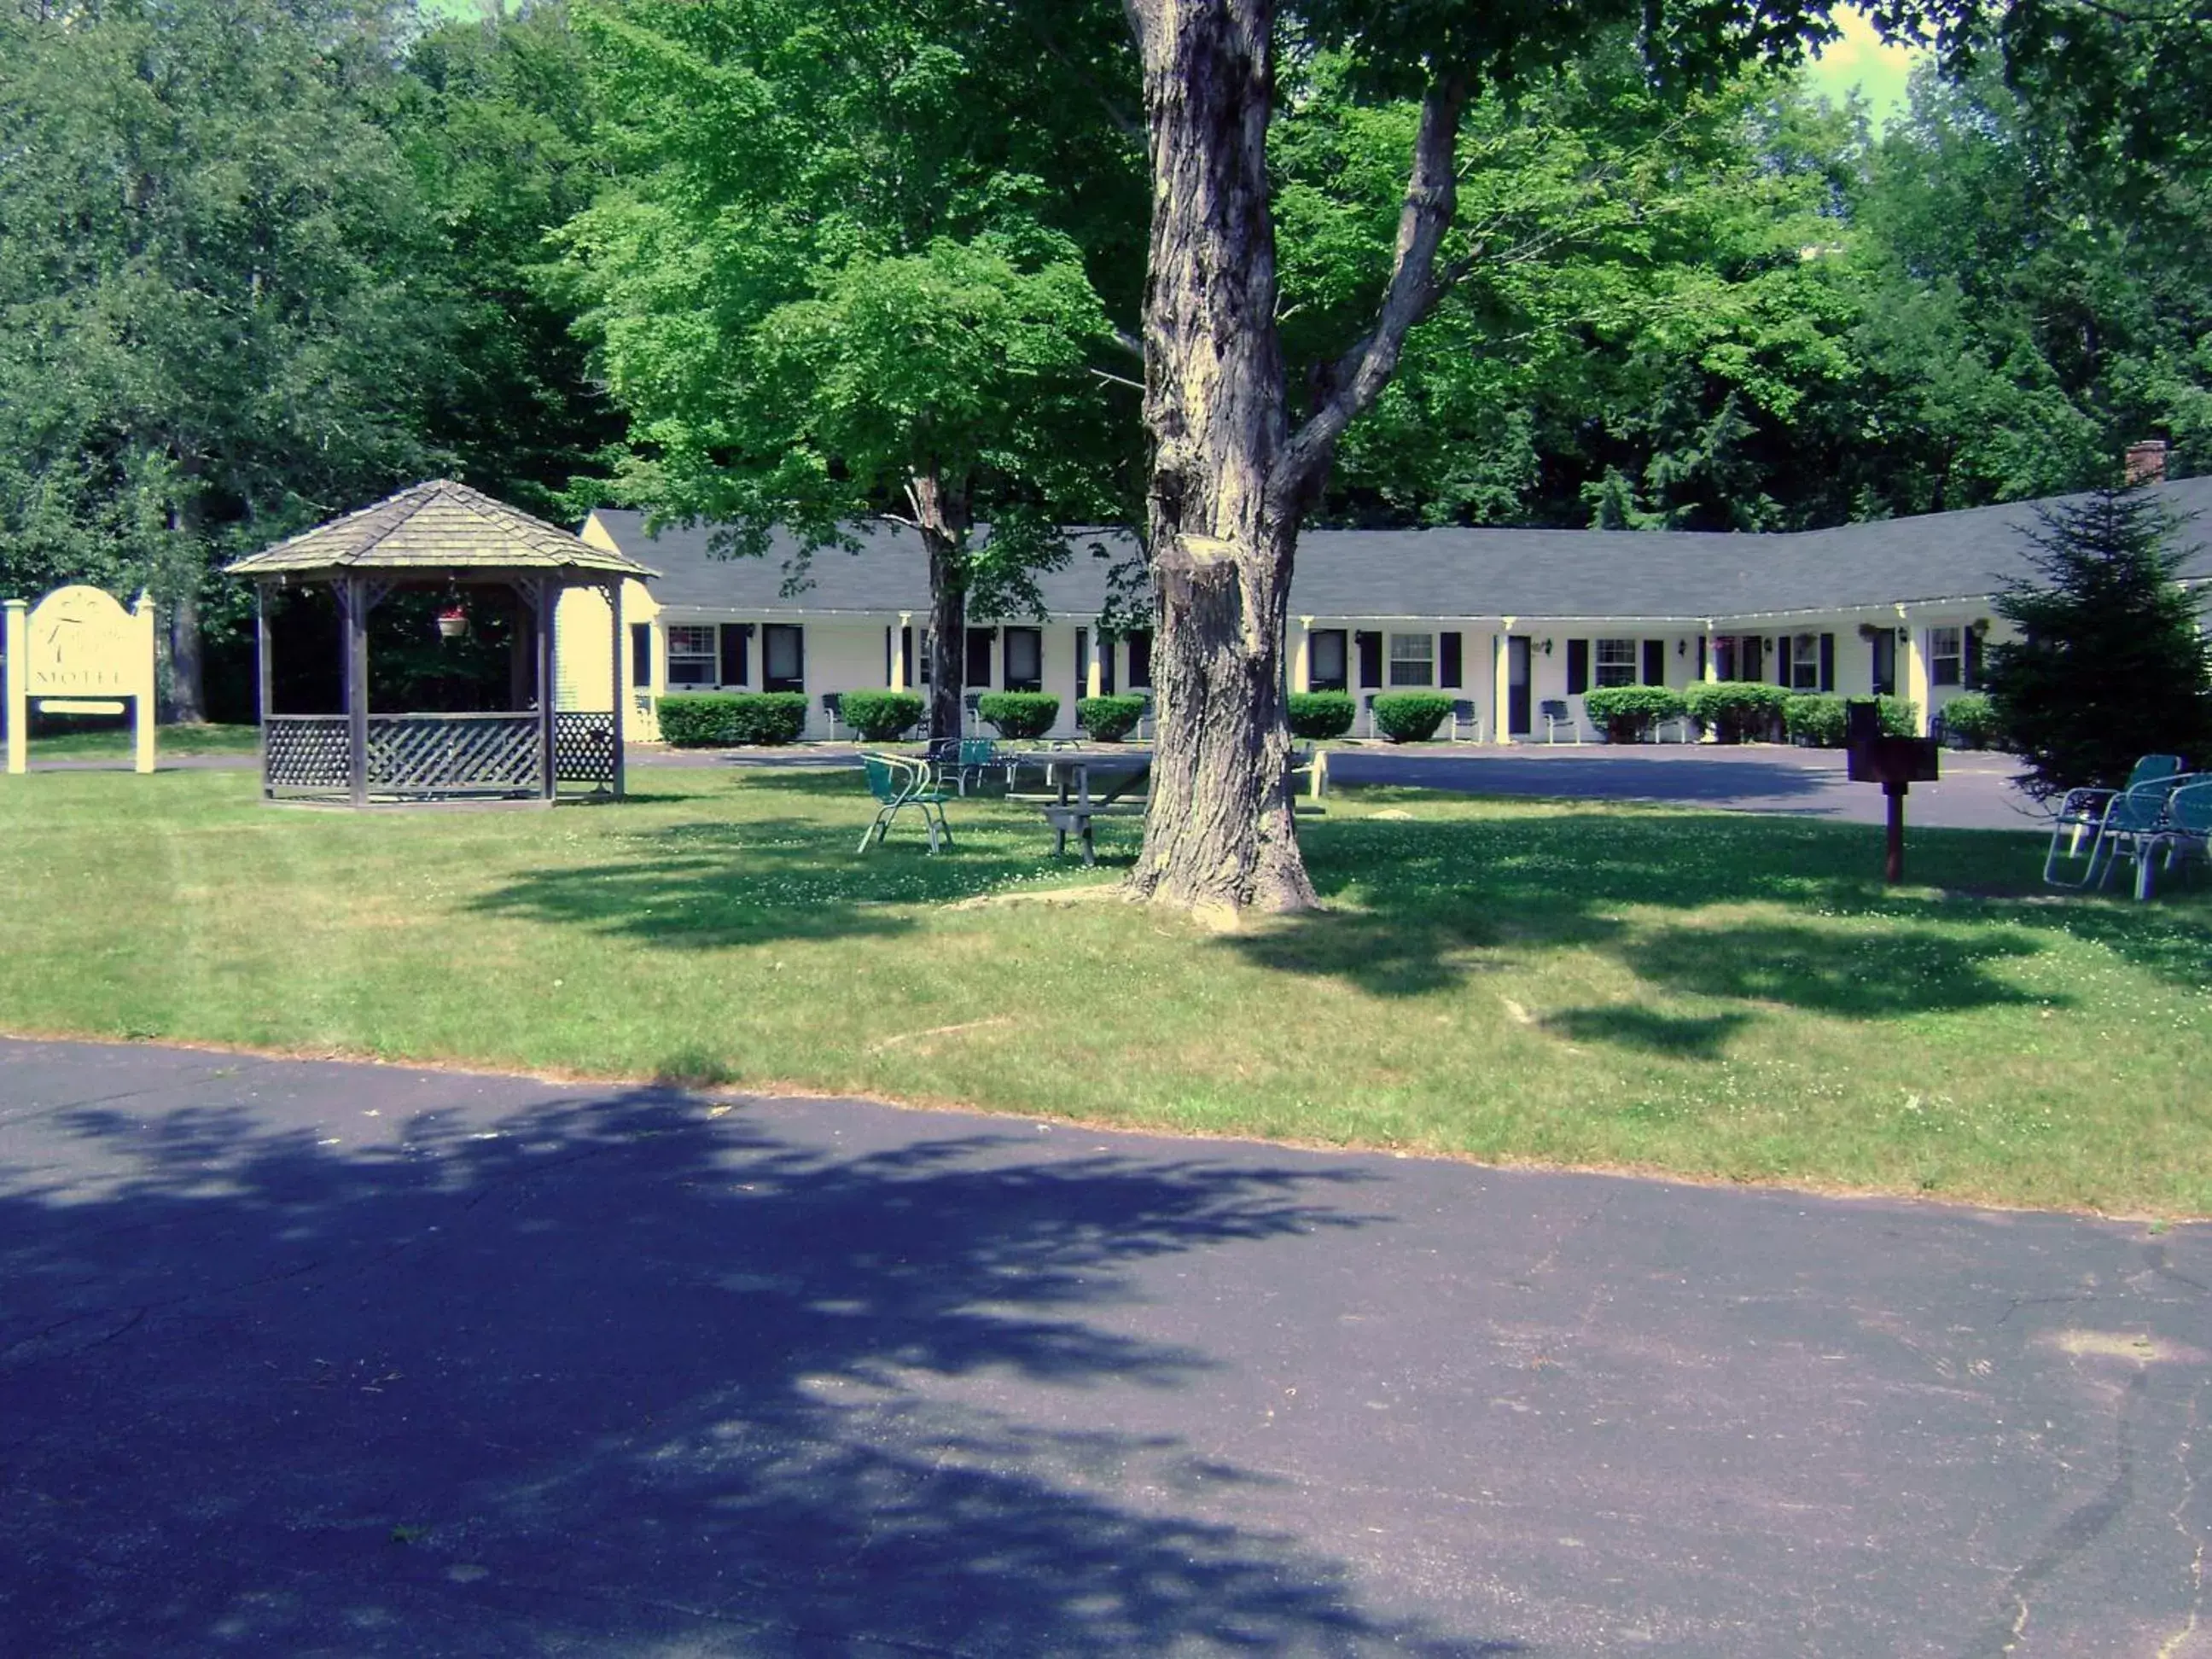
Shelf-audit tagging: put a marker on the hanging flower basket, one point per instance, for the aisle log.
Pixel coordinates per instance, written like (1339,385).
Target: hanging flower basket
(452,622)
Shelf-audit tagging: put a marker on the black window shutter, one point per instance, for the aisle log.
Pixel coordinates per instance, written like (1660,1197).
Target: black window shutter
(1578,667)
(906,657)
(641,653)
(736,640)
(1827,662)
(1781,661)
(1701,656)
(1082,663)
(1450,665)
(979,657)
(1971,675)
(1140,659)
(1370,659)
(1655,662)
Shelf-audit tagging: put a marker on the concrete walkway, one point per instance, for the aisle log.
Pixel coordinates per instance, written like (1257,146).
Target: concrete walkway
(306,1358)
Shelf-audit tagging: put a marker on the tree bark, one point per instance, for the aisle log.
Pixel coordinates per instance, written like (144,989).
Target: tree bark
(943,517)
(1220,836)
(1229,481)
(187,654)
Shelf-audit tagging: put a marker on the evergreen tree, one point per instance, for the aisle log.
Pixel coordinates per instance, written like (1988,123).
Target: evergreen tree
(2110,666)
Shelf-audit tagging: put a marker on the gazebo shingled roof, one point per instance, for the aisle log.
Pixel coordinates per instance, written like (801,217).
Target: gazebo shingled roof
(436,526)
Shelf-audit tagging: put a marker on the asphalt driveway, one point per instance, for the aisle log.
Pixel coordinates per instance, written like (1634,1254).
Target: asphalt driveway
(310,1359)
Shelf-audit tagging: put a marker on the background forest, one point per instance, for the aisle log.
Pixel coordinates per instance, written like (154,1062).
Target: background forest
(261,263)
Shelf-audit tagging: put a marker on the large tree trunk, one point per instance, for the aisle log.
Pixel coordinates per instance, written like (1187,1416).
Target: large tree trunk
(188,695)
(948,642)
(1220,836)
(943,515)
(187,653)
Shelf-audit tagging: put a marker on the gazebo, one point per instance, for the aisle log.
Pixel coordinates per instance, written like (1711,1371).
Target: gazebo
(445,536)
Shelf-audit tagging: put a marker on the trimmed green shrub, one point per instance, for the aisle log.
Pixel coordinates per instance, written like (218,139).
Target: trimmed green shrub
(1321,713)
(1899,716)
(1737,711)
(1815,718)
(1629,712)
(880,716)
(1971,717)
(1110,720)
(1019,713)
(1409,716)
(722,720)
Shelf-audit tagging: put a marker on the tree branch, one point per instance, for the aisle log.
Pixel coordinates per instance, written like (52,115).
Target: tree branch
(1358,378)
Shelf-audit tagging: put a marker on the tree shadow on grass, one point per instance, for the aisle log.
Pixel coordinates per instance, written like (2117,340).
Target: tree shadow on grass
(1681,1036)
(1421,906)
(617,1375)
(717,883)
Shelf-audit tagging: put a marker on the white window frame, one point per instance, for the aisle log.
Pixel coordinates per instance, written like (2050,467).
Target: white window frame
(690,662)
(1804,662)
(1955,640)
(1413,659)
(1615,662)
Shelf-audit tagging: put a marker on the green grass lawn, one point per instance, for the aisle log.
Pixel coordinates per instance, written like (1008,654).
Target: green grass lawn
(112,741)
(1716,995)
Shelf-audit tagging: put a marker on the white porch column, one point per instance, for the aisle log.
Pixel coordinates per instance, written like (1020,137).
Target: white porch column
(1501,682)
(1094,667)
(898,650)
(1712,655)
(142,676)
(1918,690)
(1302,664)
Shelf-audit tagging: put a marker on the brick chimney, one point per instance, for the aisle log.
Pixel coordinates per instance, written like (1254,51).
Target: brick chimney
(2146,461)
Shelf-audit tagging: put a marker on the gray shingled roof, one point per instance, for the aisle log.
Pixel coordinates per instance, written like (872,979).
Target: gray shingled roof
(1657,575)
(435,526)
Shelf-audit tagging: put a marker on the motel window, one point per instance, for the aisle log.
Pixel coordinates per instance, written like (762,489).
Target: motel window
(1325,660)
(1413,659)
(783,657)
(1947,656)
(1024,654)
(693,656)
(1804,662)
(1616,663)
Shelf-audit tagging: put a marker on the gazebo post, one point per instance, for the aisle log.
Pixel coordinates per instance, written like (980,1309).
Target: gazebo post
(267,674)
(615,675)
(548,600)
(353,600)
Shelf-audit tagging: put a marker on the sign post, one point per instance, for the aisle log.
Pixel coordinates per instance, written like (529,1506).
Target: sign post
(17,711)
(1895,763)
(80,653)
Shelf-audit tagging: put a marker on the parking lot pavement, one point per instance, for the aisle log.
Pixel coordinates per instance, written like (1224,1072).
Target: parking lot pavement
(1976,791)
(314,1359)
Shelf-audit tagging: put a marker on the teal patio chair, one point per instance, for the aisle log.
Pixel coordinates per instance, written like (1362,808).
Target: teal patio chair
(2133,827)
(2188,829)
(2081,818)
(898,783)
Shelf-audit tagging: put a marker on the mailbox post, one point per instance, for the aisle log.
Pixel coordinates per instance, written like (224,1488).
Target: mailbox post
(1895,763)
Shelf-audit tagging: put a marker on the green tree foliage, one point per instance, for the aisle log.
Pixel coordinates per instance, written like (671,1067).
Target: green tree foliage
(2109,664)
(839,279)
(207,328)
(1652,327)
(495,118)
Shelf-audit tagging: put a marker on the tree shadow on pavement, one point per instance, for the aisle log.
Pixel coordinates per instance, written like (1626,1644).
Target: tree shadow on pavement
(628,1374)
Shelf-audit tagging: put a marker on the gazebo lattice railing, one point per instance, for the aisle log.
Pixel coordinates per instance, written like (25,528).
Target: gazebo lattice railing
(445,534)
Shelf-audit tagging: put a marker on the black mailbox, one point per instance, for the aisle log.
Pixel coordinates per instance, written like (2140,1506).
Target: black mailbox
(1893,760)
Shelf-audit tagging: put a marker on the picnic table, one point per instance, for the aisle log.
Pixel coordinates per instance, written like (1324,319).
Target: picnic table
(1085,783)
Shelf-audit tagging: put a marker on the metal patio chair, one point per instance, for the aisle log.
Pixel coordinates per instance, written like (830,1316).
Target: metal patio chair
(2188,831)
(898,783)
(1465,713)
(1555,713)
(2081,818)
